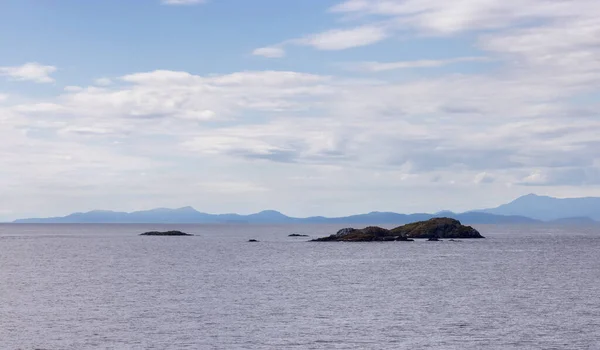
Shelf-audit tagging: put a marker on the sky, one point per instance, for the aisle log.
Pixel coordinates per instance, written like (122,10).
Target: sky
(312,107)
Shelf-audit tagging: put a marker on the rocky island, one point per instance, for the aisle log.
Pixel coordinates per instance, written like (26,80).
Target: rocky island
(433,229)
(166,233)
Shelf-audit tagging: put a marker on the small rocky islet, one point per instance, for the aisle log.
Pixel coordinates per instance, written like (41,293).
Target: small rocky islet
(165,233)
(432,229)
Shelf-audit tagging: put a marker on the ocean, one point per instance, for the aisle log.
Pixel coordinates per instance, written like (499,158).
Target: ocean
(105,287)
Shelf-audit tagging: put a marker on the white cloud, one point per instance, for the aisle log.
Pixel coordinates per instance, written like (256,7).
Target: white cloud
(163,94)
(183,2)
(376,124)
(381,19)
(270,52)
(443,17)
(532,120)
(42,107)
(72,88)
(386,66)
(567,176)
(332,40)
(536,177)
(483,178)
(88,131)
(230,187)
(103,82)
(341,39)
(29,72)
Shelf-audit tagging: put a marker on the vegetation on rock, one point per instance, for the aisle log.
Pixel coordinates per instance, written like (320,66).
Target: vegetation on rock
(368,234)
(435,228)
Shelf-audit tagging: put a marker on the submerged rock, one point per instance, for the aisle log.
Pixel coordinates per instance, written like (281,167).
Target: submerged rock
(166,233)
(433,229)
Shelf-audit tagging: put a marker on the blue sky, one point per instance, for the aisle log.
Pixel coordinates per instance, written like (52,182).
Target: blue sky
(309,107)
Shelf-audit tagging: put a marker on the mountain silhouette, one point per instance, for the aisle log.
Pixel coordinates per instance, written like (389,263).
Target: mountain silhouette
(528,209)
(191,216)
(549,208)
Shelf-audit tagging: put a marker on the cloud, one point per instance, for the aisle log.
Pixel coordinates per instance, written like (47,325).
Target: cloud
(270,52)
(386,66)
(72,88)
(42,107)
(103,82)
(230,187)
(165,94)
(342,39)
(563,177)
(381,19)
(536,177)
(483,178)
(183,2)
(279,141)
(425,125)
(445,18)
(532,120)
(88,131)
(332,40)
(29,72)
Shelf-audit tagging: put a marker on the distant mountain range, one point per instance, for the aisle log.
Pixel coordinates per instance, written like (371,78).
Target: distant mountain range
(524,210)
(549,208)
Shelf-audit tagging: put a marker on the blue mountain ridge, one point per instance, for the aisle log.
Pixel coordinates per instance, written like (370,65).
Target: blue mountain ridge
(524,210)
(547,208)
(175,216)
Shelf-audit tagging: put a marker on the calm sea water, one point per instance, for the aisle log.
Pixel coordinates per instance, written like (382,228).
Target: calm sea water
(104,287)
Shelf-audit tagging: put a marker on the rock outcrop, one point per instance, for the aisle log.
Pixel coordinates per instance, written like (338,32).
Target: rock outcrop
(437,228)
(434,229)
(166,233)
(368,234)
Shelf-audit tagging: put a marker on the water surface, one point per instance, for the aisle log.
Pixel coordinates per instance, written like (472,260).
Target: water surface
(104,287)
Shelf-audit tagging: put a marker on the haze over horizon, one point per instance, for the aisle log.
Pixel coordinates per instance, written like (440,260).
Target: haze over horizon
(313,107)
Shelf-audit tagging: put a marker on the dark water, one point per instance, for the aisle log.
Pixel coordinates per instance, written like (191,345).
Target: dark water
(103,287)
